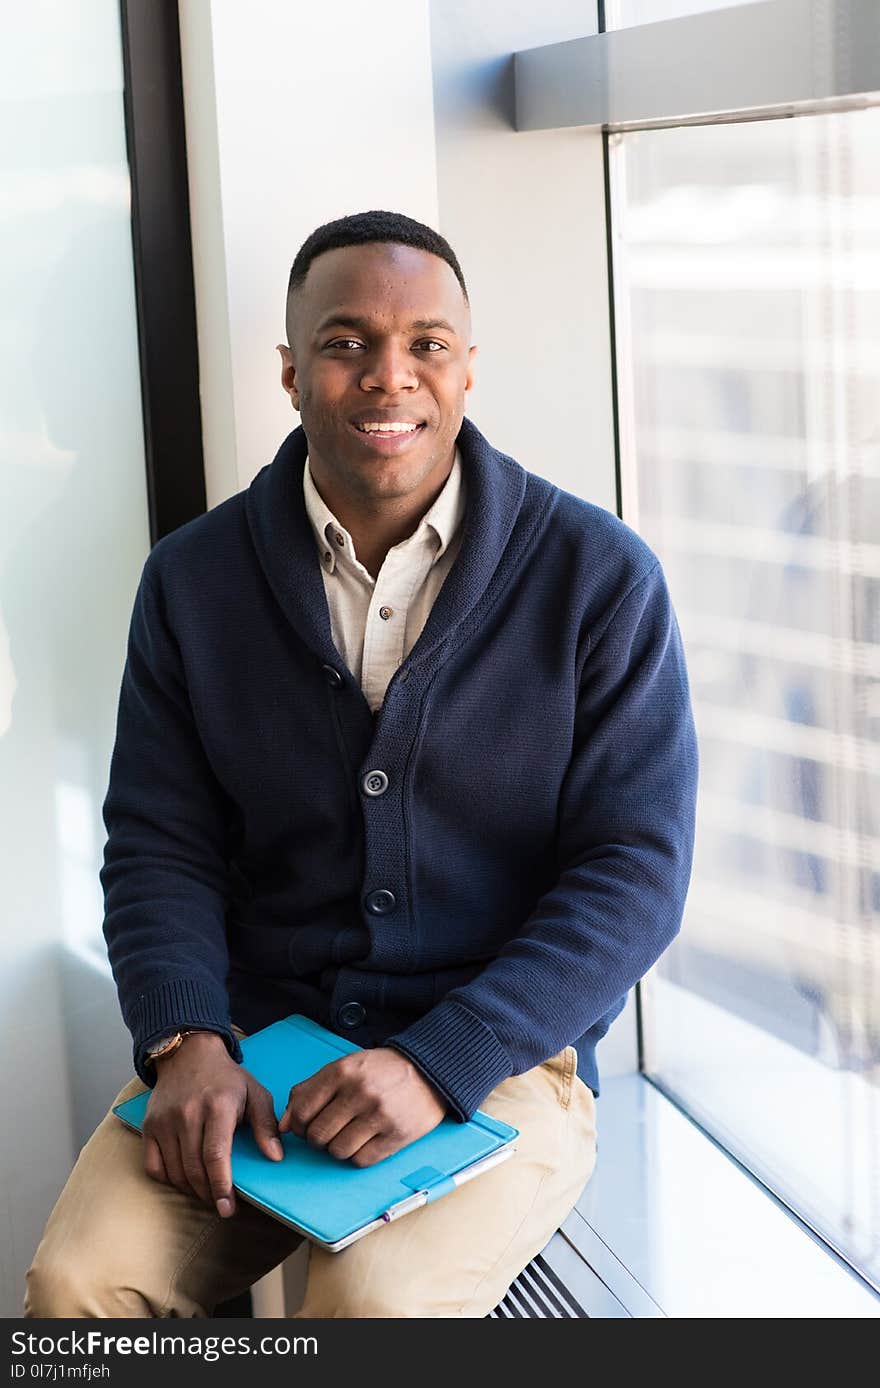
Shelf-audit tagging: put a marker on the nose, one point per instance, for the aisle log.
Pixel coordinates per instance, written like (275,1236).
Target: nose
(389,368)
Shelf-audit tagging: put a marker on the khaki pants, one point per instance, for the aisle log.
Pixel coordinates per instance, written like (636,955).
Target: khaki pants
(120,1244)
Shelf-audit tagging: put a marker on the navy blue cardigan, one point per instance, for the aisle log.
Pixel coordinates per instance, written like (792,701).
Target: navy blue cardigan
(525,863)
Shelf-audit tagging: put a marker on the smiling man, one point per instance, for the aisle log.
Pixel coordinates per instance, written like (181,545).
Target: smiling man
(405,745)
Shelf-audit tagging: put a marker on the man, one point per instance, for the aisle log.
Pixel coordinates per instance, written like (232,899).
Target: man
(405,745)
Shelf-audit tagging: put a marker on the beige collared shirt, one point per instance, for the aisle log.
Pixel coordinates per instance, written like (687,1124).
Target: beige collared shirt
(375,622)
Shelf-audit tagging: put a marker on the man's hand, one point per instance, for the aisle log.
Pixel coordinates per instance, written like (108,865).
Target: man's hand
(364,1107)
(200,1097)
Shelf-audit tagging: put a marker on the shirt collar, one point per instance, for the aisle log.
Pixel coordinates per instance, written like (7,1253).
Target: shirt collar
(503,501)
(443,517)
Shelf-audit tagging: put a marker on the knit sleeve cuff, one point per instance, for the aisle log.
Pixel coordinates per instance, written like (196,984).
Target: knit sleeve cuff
(175,1006)
(457,1052)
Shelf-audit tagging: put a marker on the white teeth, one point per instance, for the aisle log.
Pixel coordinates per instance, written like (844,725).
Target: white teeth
(387,428)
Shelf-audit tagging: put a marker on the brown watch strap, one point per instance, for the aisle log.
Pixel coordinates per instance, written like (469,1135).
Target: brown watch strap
(170,1045)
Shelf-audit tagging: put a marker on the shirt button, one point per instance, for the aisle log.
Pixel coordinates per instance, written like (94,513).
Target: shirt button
(339,538)
(327,556)
(351,1014)
(374,783)
(381,902)
(386,612)
(333,676)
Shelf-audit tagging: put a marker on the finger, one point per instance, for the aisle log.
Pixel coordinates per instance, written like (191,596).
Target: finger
(217,1157)
(307,1099)
(338,1114)
(191,1143)
(174,1165)
(377,1149)
(260,1113)
(353,1137)
(153,1162)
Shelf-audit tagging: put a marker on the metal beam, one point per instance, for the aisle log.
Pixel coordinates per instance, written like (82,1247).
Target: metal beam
(776,58)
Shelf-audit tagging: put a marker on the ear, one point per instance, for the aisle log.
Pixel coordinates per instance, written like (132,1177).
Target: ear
(288,373)
(469,379)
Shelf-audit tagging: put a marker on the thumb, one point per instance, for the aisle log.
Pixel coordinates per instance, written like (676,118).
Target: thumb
(261,1116)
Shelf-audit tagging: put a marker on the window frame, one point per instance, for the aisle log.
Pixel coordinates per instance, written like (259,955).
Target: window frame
(163,264)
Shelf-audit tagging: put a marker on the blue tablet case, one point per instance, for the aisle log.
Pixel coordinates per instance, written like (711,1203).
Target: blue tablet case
(328,1199)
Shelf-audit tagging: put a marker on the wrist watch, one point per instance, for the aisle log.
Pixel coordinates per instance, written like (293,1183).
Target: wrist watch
(167,1045)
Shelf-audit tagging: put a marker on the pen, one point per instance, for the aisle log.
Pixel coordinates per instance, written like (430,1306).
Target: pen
(412,1202)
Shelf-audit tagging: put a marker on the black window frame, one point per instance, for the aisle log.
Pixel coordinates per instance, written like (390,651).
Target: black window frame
(155,136)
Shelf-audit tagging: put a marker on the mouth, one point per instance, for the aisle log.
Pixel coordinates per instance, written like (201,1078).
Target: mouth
(387,436)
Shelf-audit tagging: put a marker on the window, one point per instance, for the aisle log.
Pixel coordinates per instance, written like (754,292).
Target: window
(747,317)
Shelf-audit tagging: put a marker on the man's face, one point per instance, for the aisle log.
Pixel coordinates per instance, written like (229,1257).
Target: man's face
(380,334)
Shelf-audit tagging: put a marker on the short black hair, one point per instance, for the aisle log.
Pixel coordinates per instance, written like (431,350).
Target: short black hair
(361,228)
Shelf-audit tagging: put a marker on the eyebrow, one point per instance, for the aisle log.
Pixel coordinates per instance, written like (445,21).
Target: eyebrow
(363,325)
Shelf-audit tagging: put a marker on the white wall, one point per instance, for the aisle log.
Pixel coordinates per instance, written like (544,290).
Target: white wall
(289,126)
(295,114)
(525,212)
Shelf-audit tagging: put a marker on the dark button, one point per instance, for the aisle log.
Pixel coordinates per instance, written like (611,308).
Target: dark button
(351,1014)
(386,612)
(381,902)
(333,676)
(374,783)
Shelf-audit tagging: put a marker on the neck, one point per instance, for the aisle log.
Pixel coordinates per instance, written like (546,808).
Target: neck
(377,524)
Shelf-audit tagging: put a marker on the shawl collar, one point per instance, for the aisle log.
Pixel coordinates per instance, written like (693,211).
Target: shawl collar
(285,543)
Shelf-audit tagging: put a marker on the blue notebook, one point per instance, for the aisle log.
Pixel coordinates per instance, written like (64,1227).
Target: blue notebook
(331,1201)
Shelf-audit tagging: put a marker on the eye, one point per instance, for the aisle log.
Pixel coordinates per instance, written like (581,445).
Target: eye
(430,344)
(344,342)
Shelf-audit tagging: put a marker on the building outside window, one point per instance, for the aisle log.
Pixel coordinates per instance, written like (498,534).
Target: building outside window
(747,315)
